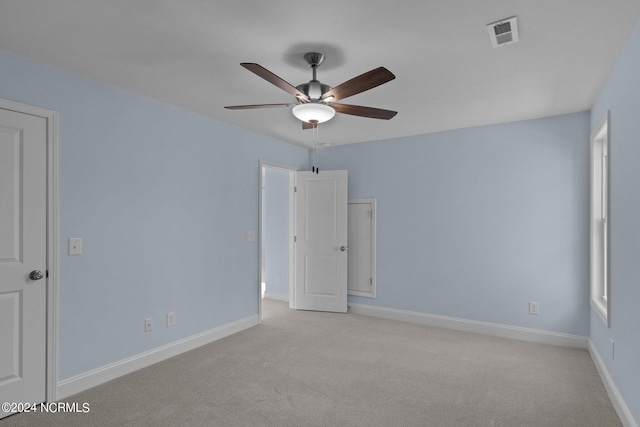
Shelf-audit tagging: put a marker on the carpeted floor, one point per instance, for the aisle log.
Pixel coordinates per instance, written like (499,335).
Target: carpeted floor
(322,369)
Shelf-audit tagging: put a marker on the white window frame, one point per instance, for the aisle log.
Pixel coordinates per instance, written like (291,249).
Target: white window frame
(599,220)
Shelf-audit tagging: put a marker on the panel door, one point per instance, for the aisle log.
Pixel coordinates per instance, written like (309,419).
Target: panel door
(321,241)
(23,190)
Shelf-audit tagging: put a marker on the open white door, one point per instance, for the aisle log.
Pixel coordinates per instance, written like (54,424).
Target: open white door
(321,241)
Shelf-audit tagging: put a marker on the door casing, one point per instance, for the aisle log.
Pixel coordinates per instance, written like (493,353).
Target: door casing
(358,246)
(291,170)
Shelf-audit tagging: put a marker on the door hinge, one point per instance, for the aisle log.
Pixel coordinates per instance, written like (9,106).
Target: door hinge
(295,239)
(371,281)
(295,189)
(46,273)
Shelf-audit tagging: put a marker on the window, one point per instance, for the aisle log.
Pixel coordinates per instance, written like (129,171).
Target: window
(599,220)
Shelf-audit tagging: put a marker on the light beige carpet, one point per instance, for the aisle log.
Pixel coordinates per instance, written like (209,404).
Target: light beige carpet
(321,369)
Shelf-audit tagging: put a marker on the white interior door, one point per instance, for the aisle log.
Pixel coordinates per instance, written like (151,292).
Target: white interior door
(321,241)
(23,252)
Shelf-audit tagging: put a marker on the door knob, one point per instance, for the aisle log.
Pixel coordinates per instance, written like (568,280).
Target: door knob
(36,275)
(344,248)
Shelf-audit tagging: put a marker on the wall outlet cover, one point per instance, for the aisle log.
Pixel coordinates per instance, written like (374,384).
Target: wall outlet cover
(534,308)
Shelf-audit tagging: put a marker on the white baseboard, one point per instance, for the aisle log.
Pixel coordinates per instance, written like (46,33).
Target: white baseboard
(280,296)
(98,376)
(616,399)
(505,331)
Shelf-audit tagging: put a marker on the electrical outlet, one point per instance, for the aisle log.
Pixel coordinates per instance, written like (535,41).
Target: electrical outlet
(251,236)
(148,325)
(171,318)
(534,308)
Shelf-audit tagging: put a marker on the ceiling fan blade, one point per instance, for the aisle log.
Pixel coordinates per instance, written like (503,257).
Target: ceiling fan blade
(357,110)
(273,79)
(359,84)
(246,107)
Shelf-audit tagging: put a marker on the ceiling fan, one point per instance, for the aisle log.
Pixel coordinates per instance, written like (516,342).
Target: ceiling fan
(316,101)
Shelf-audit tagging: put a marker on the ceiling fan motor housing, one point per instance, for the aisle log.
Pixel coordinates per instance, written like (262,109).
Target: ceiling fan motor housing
(314,89)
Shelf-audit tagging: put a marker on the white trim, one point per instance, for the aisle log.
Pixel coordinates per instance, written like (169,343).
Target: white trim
(374,214)
(614,395)
(291,171)
(600,305)
(292,234)
(280,296)
(101,375)
(504,331)
(51,118)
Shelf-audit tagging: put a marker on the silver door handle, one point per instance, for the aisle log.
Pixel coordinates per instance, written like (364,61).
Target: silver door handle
(36,275)
(344,248)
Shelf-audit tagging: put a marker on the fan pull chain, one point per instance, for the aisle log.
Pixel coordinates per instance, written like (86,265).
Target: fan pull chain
(314,152)
(317,142)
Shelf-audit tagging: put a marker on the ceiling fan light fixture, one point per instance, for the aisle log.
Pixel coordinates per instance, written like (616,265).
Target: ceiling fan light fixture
(313,111)
(316,100)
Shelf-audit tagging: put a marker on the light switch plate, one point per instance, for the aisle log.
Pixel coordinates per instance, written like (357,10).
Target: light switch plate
(75,246)
(171,318)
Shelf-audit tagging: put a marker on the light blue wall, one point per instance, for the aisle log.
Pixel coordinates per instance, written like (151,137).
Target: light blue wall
(475,223)
(276,230)
(621,95)
(162,199)
(472,223)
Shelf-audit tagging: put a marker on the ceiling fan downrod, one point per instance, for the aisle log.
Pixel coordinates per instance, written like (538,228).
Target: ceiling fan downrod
(315,59)
(314,89)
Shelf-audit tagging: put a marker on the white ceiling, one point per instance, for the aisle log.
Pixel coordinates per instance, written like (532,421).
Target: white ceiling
(448,75)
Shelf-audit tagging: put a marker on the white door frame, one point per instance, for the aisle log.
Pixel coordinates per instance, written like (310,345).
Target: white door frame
(352,245)
(51,118)
(291,170)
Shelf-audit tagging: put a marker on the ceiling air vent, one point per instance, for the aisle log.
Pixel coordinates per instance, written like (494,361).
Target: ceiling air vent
(503,32)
